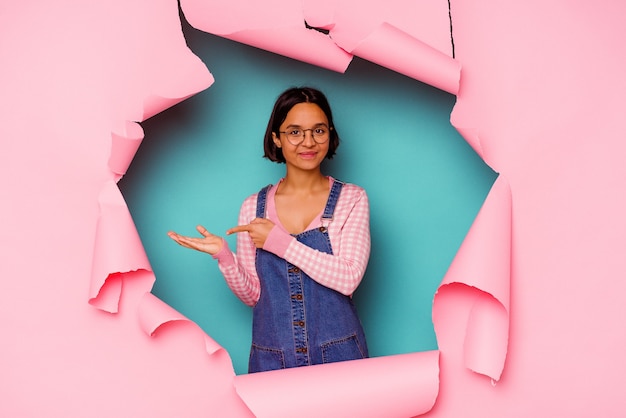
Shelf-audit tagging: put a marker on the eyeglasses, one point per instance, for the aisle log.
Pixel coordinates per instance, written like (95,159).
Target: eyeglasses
(296,135)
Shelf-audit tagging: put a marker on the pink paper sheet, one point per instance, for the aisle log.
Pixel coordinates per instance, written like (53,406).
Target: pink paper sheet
(74,78)
(154,313)
(117,249)
(483,263)
(124,146)
(396,386)
(530,103)
(418,31)
(277,26)
(410,57)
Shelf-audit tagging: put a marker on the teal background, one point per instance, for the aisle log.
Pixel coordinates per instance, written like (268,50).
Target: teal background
(201,158)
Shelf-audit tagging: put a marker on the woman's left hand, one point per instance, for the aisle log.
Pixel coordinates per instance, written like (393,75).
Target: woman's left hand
(258,228)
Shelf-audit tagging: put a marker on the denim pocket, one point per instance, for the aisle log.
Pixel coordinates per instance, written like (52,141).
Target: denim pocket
(342,349)
(263,359)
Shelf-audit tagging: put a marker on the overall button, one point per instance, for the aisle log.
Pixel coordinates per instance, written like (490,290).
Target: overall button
(322,229)
(297,297)
(294,270)
(301,350)
(299,323)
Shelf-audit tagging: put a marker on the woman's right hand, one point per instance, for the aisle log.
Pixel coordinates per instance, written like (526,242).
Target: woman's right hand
(208,243)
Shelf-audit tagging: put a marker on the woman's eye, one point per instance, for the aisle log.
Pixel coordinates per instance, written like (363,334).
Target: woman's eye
(295,132)
(320,131)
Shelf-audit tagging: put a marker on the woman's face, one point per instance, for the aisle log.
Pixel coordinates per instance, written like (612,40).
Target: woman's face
(308,154)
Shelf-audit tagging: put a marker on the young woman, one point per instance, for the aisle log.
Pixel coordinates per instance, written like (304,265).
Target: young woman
(302,246)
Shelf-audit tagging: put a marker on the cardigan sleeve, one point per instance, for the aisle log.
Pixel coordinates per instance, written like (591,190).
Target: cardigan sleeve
(239,269)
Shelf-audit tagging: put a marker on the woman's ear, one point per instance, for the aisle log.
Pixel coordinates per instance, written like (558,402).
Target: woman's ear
(276,140)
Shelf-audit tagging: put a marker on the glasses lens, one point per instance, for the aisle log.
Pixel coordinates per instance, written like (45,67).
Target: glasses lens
(296,136)
(320,134)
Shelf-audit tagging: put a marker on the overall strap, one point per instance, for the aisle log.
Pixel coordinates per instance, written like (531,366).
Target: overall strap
(261,202)
(333,196)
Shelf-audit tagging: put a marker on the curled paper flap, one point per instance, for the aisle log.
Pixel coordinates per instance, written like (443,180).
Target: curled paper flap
(486,338)
(154,313)
(299,43)
(124,146)
(403,385)
(156,104)
(409,37)
(281,28)
(146,62)
(353,20)
(411,57)
(278,28)
(483,262)
(176,84)
(472,137)
(108,297)
(117,249)
(484,258)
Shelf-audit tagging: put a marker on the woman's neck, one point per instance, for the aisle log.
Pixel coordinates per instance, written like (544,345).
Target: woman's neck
(296,181)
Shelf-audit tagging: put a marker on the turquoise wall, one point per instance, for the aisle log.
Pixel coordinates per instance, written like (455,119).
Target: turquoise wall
(201,158)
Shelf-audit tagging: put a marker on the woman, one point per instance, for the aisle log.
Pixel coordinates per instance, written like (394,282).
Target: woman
(302,245)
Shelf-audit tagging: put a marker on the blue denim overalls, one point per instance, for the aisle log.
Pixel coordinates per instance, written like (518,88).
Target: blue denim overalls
(297,321)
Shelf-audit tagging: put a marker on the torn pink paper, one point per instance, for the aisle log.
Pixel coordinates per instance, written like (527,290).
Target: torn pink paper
(319,14)
(124,146)
(73,73)
(409,37)
(154,313)
(410,57)
(471,136)
(418,31)
(117,249)
(277,26)
(352,21)
(487,336)
(483,262)
(185,80)
(404,385)
(519,85)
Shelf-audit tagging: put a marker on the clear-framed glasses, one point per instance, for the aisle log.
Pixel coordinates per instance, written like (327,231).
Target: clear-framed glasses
(295,135)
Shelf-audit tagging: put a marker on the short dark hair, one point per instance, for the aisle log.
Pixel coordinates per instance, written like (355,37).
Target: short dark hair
(288,99)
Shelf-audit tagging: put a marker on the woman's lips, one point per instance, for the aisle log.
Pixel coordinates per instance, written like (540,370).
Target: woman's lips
(308,155)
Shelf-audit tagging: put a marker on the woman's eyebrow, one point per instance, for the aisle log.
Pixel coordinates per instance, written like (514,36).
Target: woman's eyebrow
(315,125)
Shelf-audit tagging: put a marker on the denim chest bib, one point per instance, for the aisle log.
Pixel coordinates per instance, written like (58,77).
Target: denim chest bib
(297,321)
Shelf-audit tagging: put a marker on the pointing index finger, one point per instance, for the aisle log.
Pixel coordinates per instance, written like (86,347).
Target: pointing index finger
(239,228)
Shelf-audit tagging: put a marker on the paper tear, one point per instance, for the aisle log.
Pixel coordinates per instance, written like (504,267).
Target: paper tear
(124,146)
(411,57)
(154,104)
(427,21)
(403,385)
(154,313)
(319,13)
(117,249)
(300,43)
(282,31)
(486,338)
(483,262)
(277,27)
(472,137)
(108,297)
